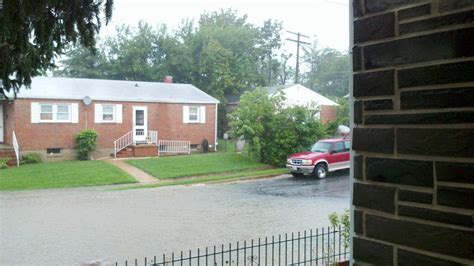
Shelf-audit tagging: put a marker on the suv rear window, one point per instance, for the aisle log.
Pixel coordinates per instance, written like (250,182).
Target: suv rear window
(338,147)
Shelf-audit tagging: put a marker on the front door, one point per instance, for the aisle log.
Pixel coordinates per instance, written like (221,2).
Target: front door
(1,123)
(140,124)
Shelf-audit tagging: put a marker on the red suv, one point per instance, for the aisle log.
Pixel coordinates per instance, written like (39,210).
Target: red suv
(325,156)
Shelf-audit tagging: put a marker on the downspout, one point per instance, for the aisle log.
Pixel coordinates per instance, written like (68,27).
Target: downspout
(215,131)
(351,125)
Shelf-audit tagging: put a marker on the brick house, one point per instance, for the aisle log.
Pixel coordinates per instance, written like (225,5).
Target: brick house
(132,114)
(299,95)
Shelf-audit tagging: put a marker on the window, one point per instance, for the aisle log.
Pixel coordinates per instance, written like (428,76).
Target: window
(347,143)
(46,113)
(53,151)
(108,113)
(63,113)
(338,147)
(55,112)
(321,147)
(193,114)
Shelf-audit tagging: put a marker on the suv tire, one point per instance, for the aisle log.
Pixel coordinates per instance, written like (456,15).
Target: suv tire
(320,171)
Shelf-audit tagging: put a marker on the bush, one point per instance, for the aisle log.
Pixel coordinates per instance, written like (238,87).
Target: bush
(204,146)
(86,142)
(3,163)
(30,158)
(272,131)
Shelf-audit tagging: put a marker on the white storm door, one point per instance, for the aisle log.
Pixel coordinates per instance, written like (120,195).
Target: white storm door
(1,123)
(140,124)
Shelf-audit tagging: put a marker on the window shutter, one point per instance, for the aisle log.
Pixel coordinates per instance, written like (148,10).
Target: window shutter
(202,116)
(185,114)
(118,113)
(35,113)
(74,113)
(98,113)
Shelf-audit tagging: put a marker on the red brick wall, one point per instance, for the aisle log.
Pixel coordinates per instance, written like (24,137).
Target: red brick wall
(164,117)
(328,113)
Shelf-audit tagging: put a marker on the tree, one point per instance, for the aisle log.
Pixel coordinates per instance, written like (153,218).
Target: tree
(274,132)
(328,71)
(33,33)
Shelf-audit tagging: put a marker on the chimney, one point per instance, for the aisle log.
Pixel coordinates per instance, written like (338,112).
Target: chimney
(168,79)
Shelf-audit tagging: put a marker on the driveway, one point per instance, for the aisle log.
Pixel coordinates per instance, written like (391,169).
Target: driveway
(59,227)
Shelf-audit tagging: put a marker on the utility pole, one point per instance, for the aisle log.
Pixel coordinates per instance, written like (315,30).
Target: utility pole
(298,42)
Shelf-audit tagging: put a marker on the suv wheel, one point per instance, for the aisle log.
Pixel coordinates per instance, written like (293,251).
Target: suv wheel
(320,171)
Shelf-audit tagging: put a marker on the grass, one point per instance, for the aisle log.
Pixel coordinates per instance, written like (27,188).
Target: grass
(193,165)
(228,146)
(62,175)
(213,178)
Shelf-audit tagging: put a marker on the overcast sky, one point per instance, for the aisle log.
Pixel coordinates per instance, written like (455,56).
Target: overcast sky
(326,19)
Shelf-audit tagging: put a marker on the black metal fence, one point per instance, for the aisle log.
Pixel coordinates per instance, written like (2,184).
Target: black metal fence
(323,246)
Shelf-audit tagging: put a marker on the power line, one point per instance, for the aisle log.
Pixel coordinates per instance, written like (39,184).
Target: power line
(298,42)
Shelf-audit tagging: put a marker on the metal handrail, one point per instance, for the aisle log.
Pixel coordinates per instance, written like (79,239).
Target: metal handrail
(122,142)
(127,140)
(16,147)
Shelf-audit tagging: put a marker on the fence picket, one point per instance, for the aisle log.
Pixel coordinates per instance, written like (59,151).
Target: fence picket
(326,249)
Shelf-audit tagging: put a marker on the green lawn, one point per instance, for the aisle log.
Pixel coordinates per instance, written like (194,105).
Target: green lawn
(62,175)
(192,165)
(214,178)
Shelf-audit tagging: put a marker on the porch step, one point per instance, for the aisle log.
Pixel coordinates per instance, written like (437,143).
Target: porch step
(8,152)
(140,150)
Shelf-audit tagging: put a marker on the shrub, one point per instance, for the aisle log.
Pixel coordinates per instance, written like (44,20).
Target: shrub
(3,163)
(30,158)
(86,142)
(204,146)
(272,131)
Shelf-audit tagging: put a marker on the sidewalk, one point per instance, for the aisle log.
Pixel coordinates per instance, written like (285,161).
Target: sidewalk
(141,176)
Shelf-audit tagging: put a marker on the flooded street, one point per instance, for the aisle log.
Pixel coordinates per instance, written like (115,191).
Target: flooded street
(60,227)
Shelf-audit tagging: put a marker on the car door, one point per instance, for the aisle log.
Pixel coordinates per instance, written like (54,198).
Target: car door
(338,158)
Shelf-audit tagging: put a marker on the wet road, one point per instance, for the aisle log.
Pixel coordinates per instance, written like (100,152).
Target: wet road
(60,227)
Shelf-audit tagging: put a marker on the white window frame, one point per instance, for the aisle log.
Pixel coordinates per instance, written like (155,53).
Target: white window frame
(197,120)
(55,113)
(113,113)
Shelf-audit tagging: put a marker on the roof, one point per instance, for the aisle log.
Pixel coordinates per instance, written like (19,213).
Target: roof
(113,90)
(300,95)
(273,89)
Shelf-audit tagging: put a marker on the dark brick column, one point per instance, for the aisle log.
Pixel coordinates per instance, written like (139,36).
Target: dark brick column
(413,138)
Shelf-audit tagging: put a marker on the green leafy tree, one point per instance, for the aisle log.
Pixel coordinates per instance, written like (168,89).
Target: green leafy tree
(33,33)
(342,115)
(274,132)
(328,72)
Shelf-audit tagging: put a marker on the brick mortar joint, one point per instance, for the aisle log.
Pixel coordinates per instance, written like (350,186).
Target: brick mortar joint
(419,251)
(414,220)
(415,34)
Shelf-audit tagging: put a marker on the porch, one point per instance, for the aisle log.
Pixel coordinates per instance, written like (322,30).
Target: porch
(141,143)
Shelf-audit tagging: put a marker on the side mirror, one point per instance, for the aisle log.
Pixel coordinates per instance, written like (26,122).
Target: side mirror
(332,151)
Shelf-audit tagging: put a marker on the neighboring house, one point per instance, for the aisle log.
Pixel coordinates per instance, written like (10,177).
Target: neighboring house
(299,95)
(46,117)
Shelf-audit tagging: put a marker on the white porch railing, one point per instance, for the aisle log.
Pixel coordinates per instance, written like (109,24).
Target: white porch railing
(123,142)
(16,147)
(128,139)
(152,137)
(174,146)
